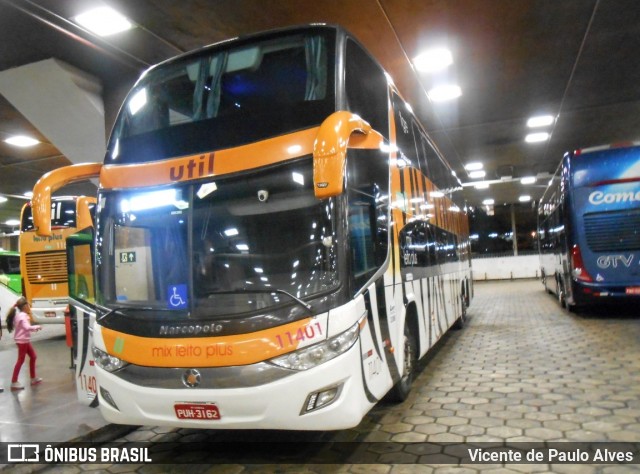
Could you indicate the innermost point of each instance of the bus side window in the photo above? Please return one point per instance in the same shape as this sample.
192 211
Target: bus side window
368 189
416 246
405 131
366 88
361 238
441 246
424 151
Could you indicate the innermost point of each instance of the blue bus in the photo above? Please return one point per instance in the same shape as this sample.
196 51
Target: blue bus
589 227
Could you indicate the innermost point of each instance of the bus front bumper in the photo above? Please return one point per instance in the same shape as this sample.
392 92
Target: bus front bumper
48 311
277 405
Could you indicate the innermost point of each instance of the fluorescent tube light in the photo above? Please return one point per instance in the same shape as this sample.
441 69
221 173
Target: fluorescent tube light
433 60
22 141
103 21
444 93
474 166
536 137
540 121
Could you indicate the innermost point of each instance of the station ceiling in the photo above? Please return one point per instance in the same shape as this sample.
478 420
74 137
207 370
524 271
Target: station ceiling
513 59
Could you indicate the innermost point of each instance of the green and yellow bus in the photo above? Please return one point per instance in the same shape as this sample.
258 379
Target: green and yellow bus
43 260
10 271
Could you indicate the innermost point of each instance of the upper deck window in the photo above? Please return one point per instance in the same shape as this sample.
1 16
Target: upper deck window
227 97
366 88
63 214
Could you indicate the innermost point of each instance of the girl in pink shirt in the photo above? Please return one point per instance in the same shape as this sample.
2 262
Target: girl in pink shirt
18 318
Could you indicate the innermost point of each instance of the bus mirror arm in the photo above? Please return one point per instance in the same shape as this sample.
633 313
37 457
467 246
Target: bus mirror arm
50 183
330 151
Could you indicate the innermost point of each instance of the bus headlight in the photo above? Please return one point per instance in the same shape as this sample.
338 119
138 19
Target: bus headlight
317 354
106 361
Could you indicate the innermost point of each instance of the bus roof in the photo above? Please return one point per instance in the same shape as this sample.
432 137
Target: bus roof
626 144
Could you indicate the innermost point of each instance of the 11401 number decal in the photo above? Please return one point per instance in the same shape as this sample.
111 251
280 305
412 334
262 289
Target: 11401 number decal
289 339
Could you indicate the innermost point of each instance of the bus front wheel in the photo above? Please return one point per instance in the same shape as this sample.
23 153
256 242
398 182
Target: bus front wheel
401 389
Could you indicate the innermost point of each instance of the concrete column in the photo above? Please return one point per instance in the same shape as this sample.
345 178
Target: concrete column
63 103
514 230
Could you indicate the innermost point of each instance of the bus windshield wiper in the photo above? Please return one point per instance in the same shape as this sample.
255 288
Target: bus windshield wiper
306 305
293 297
122 309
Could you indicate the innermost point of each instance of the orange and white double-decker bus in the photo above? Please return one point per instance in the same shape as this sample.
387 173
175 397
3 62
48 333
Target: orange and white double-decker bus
43 261
277 239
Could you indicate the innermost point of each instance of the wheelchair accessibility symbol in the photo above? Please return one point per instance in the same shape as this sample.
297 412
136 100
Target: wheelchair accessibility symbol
177 296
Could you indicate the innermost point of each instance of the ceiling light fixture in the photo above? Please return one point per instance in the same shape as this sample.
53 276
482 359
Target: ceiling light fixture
524 198
477 174
476 165
21 141
488 202
444 93
481 186
433 60
537 137
103 21
12 222
540 121
528 180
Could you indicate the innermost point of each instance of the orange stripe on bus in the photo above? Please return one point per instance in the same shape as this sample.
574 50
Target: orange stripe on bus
231 160
219 351
209 164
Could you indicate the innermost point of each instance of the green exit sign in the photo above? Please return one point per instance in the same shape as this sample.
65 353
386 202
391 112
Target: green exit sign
127 257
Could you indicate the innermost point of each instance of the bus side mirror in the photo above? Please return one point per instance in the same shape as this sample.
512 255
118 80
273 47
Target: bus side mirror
51 182
330 151
84 218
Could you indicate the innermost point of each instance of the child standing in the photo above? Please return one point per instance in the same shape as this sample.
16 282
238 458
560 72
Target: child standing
18 318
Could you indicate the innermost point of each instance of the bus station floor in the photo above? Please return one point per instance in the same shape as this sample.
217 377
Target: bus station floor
47 412
522 370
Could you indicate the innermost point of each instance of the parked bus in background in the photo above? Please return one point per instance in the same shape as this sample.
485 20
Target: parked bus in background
277 239
588 227
43 261
10 271
10 286
82 316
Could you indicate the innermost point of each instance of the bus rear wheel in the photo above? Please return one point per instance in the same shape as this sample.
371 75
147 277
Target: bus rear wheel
561 295
464 303
401 389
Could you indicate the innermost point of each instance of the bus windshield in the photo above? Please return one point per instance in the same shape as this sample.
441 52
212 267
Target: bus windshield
252 237
227 96
63 214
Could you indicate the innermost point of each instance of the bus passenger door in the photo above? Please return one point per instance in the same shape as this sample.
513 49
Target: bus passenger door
82 307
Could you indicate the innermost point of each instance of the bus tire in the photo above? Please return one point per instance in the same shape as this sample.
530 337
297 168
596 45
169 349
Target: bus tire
560 293
400 391
459 323
462 319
